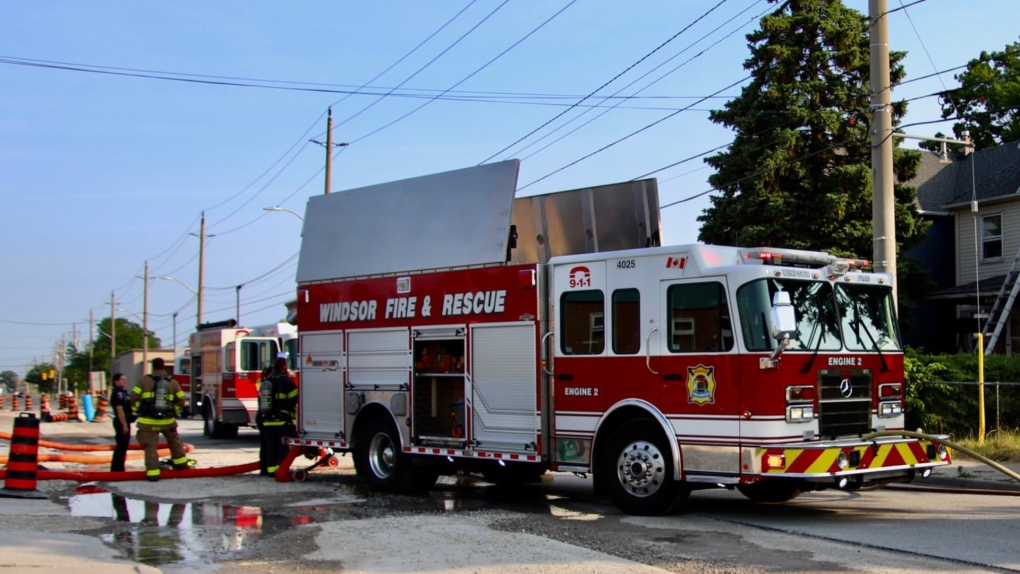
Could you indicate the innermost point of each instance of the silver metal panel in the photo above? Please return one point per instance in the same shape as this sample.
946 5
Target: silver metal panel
450 219
504 389
604 218
322 385
378 357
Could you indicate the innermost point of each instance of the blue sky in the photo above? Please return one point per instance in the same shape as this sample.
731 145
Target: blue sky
101 172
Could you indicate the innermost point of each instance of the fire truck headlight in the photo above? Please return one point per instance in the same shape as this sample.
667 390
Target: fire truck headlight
890 409
800 413
842 461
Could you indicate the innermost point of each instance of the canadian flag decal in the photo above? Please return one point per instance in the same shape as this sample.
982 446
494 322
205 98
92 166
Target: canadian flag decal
676 263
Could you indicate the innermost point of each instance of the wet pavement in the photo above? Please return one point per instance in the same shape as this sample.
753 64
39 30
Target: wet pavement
248 523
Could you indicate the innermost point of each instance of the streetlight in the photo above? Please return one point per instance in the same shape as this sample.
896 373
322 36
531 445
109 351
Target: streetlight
185 285
278 208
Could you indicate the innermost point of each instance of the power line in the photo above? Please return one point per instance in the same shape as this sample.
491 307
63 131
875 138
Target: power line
422 68
613 79
472 74
648 85
624 138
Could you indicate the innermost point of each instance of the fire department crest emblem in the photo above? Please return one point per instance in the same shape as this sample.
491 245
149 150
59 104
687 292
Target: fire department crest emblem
701 385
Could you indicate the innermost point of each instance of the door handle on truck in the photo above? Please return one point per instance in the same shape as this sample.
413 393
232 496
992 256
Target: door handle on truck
648 350
672 376
544 366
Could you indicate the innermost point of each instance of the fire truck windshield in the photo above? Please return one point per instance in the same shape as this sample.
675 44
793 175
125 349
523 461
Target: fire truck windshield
854 316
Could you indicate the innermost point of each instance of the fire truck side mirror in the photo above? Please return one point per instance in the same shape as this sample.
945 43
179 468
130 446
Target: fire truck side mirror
784 321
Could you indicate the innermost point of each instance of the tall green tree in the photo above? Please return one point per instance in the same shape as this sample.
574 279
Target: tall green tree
798 173
129 335
987 103
39 375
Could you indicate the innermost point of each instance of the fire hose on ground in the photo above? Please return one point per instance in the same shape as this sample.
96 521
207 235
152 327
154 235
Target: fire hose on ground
282 474
950 444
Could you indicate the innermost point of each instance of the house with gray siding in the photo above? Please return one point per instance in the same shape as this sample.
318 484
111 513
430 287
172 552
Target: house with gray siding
973 202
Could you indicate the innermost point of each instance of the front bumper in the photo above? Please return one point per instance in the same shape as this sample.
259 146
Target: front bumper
871 460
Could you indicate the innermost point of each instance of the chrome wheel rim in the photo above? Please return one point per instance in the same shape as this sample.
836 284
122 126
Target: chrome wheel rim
641 469
381 455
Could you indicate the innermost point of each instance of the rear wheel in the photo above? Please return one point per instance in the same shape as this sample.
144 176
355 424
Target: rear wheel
770 490
213 428
378 458
208 422
638 470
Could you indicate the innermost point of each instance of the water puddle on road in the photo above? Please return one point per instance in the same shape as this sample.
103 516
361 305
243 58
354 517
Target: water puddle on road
158 533
203 533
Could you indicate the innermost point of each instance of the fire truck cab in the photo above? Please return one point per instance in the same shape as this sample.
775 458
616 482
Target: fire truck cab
481 333
182 374
227 364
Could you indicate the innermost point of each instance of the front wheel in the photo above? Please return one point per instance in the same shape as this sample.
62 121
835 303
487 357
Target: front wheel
638 470
378 458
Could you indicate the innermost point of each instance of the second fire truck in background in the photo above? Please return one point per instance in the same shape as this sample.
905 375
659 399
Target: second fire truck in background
226 368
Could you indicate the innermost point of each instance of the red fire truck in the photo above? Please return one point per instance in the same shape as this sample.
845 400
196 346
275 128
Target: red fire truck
182 374
446 326
227 364
287 337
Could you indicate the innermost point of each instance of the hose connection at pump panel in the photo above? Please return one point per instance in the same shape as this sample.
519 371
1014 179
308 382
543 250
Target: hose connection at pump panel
950 444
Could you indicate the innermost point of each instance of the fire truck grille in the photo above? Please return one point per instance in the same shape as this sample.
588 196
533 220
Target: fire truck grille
844 402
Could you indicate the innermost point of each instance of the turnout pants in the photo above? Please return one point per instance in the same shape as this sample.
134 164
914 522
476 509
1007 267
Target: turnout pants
148 437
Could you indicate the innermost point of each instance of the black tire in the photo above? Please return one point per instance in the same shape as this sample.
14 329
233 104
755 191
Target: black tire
379 459
208 424
771 490
213 428
638 468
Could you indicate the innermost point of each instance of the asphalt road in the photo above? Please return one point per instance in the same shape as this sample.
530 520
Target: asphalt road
332 522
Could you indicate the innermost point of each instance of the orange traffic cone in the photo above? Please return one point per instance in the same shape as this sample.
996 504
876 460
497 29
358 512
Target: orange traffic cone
24 459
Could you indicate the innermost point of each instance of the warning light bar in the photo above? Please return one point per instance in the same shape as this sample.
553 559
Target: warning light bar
797 258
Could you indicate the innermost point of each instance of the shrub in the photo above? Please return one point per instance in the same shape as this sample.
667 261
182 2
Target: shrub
941 395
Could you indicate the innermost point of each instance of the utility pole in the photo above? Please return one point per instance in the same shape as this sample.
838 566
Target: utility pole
329 145
883 206
175 336
201 266
92 327
113 333
145 321
60 364
329 151
237 314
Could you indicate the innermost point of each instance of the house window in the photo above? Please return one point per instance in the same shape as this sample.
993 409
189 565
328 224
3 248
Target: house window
991 236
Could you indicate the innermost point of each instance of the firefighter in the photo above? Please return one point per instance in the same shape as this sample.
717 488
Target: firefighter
156 400
275 418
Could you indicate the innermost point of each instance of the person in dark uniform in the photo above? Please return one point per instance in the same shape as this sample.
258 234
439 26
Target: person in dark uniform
275 418
120 402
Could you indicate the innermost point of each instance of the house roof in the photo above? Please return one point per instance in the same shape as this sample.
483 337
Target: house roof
941 186
987 287
935 182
